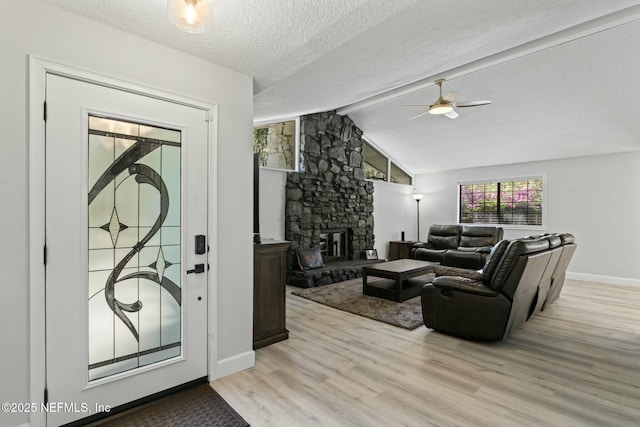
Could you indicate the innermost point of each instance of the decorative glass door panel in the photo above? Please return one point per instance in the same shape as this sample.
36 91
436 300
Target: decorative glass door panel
134 235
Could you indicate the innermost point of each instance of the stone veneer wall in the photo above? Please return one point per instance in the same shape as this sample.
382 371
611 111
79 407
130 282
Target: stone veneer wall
330 191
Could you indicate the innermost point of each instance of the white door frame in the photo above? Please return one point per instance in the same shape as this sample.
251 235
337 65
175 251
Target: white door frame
38 69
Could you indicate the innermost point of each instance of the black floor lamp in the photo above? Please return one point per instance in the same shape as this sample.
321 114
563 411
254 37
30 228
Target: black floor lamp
417 198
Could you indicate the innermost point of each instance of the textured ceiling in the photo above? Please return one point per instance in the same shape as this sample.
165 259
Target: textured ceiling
558 72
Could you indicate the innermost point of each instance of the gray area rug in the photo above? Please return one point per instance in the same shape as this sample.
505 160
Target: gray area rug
347 296
197 406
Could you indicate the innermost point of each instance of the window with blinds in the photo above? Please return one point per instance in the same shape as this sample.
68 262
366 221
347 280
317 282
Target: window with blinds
509 202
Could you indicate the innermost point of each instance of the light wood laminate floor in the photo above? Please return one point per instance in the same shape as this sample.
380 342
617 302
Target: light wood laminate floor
575 364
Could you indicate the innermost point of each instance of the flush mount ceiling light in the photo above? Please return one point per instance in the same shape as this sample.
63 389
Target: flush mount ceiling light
192 16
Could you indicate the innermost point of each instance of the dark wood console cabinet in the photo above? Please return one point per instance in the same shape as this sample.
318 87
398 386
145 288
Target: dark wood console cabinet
269 306
399 249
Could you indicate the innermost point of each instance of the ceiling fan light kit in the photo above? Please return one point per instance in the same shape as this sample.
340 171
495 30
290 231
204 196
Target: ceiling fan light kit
445 106
192 16
440 108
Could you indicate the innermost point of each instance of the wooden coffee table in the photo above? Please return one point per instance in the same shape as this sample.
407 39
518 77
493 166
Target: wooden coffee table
396 287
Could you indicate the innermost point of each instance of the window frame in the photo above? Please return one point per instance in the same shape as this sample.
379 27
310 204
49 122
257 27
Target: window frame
389 162
296 161
538 176
382 156
400 169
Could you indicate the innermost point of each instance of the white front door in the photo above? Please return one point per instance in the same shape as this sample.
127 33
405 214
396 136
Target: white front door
126 196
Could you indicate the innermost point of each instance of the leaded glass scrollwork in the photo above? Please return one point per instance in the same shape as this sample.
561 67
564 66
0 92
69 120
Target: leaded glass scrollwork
134 245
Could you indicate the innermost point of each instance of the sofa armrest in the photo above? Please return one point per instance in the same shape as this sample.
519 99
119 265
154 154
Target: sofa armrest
470 260
465 249
463 284
443 270
480 249
425 245
484 249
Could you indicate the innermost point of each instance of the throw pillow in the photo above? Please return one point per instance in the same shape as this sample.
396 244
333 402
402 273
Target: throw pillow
309 259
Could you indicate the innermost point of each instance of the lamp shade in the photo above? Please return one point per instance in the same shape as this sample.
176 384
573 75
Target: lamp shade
417 196
192 16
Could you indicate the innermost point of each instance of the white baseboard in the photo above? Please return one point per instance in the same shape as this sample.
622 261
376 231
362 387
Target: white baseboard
610 280
236 363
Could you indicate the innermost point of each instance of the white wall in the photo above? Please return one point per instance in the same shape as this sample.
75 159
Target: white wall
272 203
27 27
594 198
394 211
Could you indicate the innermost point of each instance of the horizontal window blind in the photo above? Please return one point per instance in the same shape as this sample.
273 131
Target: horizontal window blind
511 202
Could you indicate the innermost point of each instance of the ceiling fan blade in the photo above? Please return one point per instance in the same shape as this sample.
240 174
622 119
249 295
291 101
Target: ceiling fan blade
419 115
450 96
472 103
452 114
416 105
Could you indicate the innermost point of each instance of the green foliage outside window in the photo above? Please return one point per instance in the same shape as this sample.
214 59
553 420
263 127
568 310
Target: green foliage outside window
260 143
371 172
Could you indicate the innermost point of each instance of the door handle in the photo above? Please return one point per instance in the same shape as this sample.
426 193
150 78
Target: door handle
198 268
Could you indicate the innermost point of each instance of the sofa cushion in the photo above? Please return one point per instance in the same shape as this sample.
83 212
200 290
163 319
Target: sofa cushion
493 259
444 236
567 238
433 255
479 236
464 259
515 249
554 241
444 242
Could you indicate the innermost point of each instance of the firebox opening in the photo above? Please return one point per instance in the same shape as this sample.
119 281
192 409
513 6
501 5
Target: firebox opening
333 245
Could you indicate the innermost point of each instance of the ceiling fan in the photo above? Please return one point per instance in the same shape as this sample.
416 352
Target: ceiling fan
444 105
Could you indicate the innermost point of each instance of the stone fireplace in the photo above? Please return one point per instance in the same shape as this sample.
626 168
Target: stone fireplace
329 205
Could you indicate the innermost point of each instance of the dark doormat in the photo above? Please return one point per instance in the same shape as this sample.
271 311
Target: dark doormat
198 406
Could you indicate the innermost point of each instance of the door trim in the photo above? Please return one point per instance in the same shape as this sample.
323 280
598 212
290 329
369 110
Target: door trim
38 70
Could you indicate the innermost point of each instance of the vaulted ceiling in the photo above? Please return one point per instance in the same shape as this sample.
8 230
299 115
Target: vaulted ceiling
561 74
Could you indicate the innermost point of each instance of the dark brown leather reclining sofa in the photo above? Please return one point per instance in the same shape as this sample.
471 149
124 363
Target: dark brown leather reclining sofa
461 246
520 278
